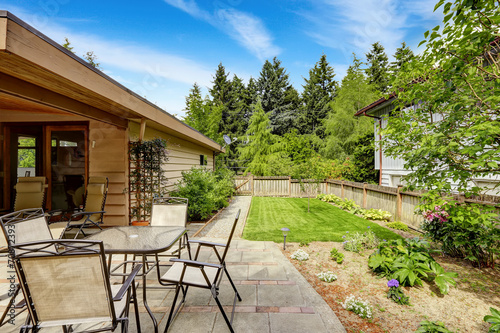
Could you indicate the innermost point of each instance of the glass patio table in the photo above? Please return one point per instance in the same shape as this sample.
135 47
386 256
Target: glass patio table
142 241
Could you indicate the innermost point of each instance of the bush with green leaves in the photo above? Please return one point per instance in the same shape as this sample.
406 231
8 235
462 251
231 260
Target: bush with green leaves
410 262
355 242
469 231
432 327
494 320
348 204
337 256
329 198
377 214
206 190
398 226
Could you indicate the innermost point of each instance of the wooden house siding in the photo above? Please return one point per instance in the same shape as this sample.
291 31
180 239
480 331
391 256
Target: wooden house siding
183 155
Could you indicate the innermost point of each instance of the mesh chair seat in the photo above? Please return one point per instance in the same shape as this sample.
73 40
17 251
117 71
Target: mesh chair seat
193 276
30 193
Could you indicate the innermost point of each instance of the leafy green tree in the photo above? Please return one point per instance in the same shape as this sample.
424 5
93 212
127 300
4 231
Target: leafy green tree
261 143
342 128
319 90
451 137
272 86
378 67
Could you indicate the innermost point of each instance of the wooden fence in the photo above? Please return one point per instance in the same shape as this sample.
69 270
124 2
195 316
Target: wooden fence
400 204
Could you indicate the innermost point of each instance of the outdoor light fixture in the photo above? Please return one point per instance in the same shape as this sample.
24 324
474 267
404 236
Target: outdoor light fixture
285 232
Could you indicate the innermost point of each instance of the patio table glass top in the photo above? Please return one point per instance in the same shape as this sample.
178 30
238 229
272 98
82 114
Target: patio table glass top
138 239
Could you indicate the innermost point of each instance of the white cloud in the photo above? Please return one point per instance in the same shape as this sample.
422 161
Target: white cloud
246 29
353 26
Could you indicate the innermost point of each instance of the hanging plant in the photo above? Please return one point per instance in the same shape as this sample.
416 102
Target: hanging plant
146 176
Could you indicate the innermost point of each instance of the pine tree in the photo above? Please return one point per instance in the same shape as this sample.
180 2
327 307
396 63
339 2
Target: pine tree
378 67
197 110
319 90
271 88
402 56
261 142
342 127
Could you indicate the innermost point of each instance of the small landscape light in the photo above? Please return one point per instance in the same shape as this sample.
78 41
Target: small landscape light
285 232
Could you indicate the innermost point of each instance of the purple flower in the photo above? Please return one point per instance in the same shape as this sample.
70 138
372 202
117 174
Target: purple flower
393 283
368 227
343 236
385 240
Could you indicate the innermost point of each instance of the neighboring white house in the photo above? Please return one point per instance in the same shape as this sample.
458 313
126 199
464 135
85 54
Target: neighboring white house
392 170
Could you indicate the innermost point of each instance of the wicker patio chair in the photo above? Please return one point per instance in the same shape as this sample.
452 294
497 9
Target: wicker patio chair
92 213
192 273
71 287
23 226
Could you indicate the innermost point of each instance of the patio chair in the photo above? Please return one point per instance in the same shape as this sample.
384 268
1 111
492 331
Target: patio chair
186 273
71 287
92 213
23 226
30 192
170 211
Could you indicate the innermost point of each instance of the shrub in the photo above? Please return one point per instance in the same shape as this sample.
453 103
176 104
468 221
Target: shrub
398 226
337 256
432 327
376 214
327 276
396 294
358 306
355 242
469 231
348 205
410 262
329 198
206 190
494 320
300 255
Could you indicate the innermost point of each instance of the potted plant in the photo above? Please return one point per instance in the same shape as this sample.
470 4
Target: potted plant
146 177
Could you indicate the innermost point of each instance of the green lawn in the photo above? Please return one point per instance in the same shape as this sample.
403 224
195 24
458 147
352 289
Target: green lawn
324 223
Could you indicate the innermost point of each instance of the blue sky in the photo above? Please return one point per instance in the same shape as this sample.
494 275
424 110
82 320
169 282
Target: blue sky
159 48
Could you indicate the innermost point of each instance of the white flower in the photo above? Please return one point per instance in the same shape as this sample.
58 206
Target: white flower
300 255
358 306
327 276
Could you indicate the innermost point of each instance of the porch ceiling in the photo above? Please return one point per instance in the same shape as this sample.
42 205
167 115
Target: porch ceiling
40 70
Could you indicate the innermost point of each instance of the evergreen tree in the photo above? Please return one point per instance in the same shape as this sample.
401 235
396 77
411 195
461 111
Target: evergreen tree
261 143
220 90
196 112
343 128
272 86
402 56
319 90
378 67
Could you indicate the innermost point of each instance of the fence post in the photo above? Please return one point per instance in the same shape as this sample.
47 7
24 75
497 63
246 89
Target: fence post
251 184
342 189
289 186
399 203
364 195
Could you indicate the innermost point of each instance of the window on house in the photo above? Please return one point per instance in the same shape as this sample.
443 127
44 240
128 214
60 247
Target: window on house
203 160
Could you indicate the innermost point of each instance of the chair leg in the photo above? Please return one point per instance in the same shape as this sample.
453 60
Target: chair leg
224 314
136 308
232 284
172 315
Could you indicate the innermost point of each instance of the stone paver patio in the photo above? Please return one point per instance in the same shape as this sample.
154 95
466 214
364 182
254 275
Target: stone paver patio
276 297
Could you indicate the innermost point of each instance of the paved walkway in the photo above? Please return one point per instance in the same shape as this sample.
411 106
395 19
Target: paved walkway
276 297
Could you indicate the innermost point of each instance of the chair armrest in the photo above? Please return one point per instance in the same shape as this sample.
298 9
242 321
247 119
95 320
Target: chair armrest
195 263
119 295
201 242
87 213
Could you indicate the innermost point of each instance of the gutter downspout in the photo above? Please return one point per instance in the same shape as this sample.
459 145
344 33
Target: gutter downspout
380 146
